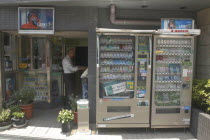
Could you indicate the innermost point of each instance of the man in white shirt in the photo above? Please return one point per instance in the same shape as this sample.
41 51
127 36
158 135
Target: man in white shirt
69 70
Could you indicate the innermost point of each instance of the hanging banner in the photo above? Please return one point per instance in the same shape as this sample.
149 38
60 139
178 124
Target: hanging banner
36 20
172 23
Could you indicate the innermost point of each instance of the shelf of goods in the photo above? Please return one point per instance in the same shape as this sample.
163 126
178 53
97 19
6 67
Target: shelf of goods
116 61
38 81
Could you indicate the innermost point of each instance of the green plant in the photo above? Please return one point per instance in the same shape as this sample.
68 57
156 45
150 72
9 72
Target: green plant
72 101
65 116
18 115
201 95
14 108
25 95
5 115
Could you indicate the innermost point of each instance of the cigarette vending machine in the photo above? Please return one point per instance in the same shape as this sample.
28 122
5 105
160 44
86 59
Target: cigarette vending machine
172 81
123 79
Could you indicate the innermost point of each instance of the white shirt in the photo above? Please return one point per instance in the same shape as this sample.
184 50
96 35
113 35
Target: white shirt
67 65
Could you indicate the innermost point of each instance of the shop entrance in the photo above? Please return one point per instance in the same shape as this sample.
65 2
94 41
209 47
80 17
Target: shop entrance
36 61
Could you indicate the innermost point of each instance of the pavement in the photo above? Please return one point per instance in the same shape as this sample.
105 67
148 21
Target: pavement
44 126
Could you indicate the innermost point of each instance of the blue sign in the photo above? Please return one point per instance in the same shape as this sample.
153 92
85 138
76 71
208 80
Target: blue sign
186 107
177 24
143 71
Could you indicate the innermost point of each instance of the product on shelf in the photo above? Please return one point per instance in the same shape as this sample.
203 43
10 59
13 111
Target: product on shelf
116 55
39 83
7 63
167 98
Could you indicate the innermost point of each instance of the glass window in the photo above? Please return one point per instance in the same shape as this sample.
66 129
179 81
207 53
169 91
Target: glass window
39 53
171 56
116 60
25 53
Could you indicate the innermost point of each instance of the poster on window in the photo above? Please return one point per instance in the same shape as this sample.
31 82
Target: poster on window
177 23
36 20
10 87
115 88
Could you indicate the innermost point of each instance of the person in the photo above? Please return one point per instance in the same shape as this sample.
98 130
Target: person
69 70
33 21
171 24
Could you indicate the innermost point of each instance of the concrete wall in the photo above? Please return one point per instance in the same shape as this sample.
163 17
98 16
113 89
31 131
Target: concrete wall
203 45
104 22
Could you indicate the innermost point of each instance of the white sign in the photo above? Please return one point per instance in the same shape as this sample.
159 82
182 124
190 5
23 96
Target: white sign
184 72
118 88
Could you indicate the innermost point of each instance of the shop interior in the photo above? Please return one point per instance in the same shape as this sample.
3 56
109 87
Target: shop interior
36 61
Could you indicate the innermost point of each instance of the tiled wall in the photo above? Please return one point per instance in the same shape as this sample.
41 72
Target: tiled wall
200 125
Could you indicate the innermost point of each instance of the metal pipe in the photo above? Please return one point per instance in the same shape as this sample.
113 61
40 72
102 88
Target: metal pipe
130 22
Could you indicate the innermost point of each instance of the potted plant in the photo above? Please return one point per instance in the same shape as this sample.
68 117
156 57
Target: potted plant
65 117
14 108
19 118
73 104
5 119
25 97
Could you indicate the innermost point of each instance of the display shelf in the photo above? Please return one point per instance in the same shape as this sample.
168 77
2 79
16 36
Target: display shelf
120 50
140 53
116 71
116 79
168 62
167 89
184 54
116 57
8 72
116 97
117 64
174 46
115 43
169 81
158 73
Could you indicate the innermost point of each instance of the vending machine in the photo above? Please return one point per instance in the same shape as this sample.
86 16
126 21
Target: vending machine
123 78
172 81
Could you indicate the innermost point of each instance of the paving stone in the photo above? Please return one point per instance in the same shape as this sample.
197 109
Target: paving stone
44 126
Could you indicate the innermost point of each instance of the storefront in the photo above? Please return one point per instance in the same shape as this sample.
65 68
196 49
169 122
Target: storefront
33 61
79 23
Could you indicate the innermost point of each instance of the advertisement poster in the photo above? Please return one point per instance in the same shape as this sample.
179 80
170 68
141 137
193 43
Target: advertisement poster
115 88
177 24
10 86
141 93
35 20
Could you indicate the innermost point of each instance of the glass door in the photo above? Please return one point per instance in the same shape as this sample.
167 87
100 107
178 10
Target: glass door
116 59
56 71
34 63
10 65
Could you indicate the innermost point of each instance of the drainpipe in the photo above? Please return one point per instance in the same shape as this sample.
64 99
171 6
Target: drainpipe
130 22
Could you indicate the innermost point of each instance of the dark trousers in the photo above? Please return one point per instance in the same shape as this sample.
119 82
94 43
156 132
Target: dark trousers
69 86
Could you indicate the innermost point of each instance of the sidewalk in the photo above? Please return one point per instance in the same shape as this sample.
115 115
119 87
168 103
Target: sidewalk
44 126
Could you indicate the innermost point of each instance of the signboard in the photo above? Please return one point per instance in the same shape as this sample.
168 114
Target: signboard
177 23
36 20
115 88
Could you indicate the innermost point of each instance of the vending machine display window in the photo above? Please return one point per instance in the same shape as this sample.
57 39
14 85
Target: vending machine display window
172 80
117 66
